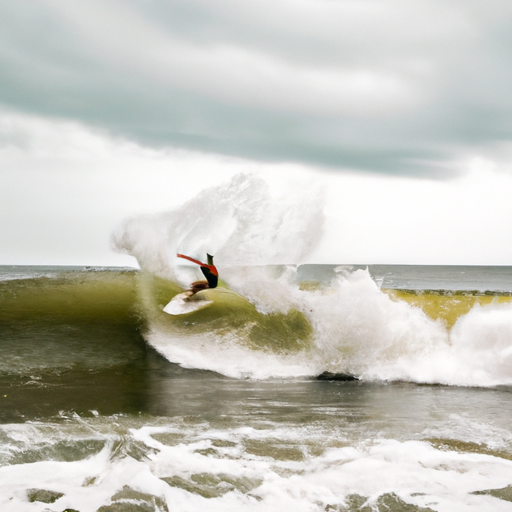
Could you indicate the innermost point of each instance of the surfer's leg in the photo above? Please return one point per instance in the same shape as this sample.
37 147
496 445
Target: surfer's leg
198 286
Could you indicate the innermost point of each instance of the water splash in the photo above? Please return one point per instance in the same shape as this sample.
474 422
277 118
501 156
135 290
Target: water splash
239 222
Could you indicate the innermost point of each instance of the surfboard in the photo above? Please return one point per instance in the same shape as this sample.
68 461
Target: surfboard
188 302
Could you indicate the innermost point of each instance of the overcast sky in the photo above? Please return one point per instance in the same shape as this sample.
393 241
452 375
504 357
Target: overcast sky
401 109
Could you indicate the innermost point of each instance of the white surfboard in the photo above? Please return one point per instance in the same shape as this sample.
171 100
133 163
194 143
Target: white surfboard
186 302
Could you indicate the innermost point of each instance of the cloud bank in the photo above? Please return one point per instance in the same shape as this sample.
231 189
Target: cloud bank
384 86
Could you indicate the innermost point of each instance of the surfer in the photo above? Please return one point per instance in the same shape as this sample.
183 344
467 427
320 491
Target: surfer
209 271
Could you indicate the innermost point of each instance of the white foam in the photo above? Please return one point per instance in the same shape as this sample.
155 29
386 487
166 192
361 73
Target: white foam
196 459
228 355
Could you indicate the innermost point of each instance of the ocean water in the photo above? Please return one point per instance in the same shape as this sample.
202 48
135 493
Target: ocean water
110 404
345 388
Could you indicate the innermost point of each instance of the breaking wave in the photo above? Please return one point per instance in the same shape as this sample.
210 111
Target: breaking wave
291 328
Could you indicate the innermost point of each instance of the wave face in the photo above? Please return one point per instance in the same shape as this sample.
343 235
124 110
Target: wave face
54 321
290 326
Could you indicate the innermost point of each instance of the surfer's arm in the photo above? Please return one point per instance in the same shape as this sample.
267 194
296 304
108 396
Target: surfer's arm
191 259
209 271
210 268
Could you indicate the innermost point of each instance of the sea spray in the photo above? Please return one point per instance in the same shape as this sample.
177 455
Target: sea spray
360 329
482 346
240 222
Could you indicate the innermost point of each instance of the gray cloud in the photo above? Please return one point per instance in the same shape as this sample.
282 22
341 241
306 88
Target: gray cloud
383 86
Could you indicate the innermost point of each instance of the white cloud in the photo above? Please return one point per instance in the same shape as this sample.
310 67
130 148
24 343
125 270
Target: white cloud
390 86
